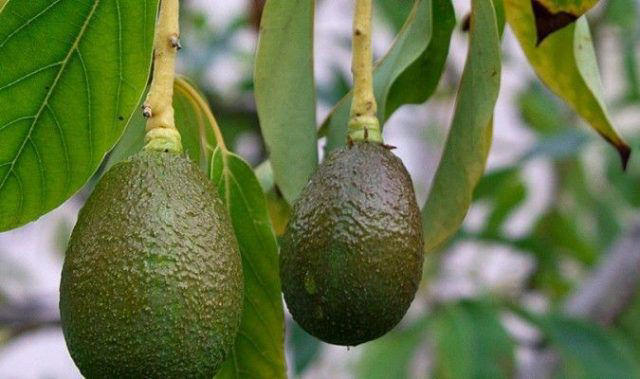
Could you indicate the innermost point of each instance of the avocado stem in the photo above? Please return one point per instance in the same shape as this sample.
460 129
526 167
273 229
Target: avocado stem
363 122
162 134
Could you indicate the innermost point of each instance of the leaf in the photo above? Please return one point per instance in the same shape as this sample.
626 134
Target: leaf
467 147
551 15
285 92
419 81
71 75
574 7
588 351
472 343
391 355
259 347
566 63
193 119
410 43
303 346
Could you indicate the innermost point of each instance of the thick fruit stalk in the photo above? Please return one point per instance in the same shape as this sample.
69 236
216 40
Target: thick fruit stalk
363 122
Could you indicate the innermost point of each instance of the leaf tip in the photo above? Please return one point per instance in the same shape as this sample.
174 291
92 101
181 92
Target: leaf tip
625 153
548 22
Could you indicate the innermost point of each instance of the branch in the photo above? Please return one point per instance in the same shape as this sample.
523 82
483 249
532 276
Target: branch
611 287
29 315
601 298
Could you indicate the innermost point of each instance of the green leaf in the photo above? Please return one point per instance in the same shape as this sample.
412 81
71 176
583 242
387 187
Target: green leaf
193 119
410 44
566 63
467 147
303 346
259 348
391 355
285 92
573 7
588 351
71 75
419 81
472 343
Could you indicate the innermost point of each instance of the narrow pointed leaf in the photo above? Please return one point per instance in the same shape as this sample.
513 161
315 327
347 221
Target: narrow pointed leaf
259 348
419 81
566 62
71 75
285 92
467 147
412 41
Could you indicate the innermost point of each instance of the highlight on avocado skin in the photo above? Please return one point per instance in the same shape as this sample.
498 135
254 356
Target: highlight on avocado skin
352 255
152 282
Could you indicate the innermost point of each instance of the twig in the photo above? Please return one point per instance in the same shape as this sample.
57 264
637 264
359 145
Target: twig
158 107
363 123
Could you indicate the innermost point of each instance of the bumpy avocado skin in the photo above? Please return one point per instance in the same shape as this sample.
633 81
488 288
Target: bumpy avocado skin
152 283
352 254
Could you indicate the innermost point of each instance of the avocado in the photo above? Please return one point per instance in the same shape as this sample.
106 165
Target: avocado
352 253
152 283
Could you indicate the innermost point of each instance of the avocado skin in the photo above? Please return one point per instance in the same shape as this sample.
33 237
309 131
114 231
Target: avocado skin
352 254
152 283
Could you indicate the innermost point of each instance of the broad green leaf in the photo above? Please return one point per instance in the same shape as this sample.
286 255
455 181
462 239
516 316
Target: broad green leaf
410 43
391 355
472 343
259 348
587 350
566 63
71 75
573 7
467 147
285 92
419 81
194 121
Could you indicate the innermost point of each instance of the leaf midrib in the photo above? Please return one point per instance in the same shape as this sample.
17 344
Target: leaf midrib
45 102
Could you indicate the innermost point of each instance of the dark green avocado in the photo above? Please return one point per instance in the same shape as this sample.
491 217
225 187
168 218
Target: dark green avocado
152 282
352 254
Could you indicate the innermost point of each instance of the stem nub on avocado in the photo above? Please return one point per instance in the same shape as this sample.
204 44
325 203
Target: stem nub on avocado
152 283
352 254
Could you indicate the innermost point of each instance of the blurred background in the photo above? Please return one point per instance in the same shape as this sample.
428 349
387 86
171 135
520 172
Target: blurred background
553 216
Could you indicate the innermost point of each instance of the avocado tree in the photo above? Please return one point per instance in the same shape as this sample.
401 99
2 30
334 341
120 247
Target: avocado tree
180 258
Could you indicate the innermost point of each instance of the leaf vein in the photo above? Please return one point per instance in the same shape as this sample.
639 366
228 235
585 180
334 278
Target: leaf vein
63 142
46 101
89 116
41 173
27 76
15 121
28 22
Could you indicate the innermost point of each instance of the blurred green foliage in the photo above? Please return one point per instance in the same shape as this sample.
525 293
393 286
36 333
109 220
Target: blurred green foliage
592 202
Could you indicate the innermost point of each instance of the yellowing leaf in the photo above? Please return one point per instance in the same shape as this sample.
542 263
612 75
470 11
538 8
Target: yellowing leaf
566 63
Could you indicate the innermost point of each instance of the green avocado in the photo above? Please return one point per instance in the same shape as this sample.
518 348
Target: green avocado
152 283
352 253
